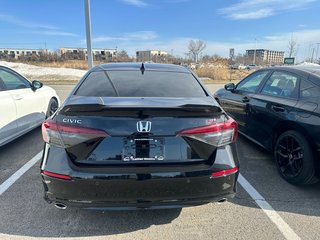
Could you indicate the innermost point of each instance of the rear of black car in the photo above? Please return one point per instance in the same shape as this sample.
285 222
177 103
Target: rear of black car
139 136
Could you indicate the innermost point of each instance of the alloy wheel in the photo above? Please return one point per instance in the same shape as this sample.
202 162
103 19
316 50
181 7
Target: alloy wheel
289 156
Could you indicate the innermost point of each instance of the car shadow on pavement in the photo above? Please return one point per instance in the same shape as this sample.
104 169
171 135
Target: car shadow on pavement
85 223
257 166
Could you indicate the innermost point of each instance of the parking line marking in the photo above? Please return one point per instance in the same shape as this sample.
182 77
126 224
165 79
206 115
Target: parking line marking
284 228
14 177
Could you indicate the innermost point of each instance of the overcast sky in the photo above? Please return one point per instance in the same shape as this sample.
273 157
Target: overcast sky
163 24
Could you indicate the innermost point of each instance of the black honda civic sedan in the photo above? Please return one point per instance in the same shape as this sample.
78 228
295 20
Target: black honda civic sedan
134 135
279 109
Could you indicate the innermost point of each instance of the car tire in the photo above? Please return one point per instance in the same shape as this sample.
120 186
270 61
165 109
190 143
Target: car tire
52 107
294 158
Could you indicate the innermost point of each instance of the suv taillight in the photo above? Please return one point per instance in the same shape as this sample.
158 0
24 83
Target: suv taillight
63 135
218 134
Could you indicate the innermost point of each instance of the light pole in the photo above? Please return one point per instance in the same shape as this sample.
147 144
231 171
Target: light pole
296 53
312 54
317 51
255 49
88 32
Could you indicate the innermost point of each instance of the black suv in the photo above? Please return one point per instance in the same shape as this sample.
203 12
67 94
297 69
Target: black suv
139 136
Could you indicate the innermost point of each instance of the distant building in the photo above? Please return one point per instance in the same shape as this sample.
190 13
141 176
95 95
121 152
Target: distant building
151 56
16 53
264 56
99 54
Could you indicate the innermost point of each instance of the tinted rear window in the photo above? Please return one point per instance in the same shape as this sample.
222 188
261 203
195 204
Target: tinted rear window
309 90
135 84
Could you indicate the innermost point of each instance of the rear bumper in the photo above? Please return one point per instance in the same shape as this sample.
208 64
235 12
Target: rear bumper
137 187
134 193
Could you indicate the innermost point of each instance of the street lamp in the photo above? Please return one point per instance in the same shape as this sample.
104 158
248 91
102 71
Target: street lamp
317 50
255 49
88 32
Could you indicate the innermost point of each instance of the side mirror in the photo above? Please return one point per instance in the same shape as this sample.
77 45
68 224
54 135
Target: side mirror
230 87
36 84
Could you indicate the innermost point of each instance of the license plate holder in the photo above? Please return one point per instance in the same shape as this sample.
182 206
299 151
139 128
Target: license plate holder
143 149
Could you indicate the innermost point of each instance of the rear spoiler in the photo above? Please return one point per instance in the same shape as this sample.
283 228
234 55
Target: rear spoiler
141 106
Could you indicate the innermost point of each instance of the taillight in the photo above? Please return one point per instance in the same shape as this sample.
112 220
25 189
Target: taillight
63 135
217 134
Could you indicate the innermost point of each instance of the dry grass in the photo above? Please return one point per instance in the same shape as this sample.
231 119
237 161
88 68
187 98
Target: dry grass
52 77
59 82
76 64
215 75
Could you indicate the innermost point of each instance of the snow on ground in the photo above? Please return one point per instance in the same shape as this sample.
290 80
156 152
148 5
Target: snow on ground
309 64
44 73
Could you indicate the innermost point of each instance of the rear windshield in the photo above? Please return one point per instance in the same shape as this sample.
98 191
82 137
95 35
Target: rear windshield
135 84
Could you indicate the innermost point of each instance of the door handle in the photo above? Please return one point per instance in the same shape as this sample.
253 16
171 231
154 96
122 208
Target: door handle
17 97
245 99
277 108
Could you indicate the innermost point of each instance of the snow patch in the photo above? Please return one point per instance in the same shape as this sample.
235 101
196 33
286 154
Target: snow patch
308 64
44 73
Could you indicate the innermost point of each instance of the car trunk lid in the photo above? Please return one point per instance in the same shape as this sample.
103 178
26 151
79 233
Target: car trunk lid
140 130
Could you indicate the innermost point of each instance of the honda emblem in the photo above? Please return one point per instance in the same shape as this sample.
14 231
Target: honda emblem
143 126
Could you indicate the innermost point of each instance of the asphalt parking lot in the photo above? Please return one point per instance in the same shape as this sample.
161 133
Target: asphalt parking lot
289 212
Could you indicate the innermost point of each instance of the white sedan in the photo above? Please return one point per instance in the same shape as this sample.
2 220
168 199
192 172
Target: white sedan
23 105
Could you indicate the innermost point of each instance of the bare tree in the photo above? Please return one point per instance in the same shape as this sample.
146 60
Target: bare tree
195 48
122 56
292 47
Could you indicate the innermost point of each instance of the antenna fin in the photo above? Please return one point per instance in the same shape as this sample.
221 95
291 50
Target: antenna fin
142 68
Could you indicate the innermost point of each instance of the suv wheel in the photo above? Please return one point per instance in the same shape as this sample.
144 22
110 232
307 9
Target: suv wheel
294 158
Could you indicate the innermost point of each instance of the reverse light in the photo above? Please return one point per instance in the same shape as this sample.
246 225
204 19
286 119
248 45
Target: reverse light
225 172
64 135
217 134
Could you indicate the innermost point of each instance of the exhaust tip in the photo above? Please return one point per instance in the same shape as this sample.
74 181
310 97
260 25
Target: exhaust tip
222 200
60 206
